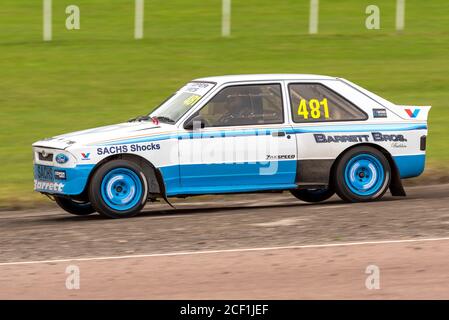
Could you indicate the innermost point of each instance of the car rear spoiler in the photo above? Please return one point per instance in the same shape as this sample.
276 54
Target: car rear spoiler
417 113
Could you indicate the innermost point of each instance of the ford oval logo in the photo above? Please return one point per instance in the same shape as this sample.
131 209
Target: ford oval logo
61 158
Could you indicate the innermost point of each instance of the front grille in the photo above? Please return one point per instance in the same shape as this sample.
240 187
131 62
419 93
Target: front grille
45 156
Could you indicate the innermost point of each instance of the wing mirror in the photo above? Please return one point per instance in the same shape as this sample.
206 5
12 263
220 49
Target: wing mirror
197 122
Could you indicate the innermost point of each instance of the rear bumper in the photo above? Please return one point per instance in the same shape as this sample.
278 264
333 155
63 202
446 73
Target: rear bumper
410 165
59 180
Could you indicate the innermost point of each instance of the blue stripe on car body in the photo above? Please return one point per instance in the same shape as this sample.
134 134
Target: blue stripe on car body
229 174
268 131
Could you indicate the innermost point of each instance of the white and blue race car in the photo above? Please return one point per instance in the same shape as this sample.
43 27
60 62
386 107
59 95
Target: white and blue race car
311 135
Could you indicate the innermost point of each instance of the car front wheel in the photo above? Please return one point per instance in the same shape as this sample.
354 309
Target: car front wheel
118 189
362 174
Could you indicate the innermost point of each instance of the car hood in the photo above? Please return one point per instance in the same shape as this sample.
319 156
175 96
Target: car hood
106 134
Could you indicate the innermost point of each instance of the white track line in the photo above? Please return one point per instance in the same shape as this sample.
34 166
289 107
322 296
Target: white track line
328 245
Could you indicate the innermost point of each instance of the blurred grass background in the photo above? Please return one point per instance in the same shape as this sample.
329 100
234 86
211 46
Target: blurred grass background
100 75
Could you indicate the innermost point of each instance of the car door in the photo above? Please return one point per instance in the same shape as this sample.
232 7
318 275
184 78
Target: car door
245 143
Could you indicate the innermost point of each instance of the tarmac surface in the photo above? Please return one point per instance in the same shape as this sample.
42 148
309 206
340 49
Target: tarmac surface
249 246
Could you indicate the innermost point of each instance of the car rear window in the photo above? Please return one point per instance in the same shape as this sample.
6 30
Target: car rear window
314 102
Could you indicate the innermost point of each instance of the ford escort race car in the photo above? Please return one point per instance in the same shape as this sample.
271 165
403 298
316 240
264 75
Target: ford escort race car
311 135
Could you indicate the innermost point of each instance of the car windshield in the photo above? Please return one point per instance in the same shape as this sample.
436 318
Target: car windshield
182 101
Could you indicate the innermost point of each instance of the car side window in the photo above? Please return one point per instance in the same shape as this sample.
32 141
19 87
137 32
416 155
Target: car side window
244 105
312 102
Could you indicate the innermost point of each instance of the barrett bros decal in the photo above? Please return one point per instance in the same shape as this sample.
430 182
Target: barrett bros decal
322 138
376 136
379 137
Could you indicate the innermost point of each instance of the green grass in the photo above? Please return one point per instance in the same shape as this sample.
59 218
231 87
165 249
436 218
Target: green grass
100 75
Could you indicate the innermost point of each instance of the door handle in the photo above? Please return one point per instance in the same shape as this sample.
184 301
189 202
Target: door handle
278 134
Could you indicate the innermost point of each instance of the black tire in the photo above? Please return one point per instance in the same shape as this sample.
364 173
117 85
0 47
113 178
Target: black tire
347 175
78 208
99 198
313 195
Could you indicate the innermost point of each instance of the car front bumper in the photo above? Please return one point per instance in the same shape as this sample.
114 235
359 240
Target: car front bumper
61 180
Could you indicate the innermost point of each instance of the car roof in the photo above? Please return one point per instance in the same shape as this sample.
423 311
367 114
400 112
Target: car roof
264 77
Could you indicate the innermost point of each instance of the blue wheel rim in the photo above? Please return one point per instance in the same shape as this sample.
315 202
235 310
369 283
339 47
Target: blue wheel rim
364 175
121 189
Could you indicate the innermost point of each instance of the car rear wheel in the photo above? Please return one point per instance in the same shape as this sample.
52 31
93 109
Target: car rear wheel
362 174
79 208
118 189
313 195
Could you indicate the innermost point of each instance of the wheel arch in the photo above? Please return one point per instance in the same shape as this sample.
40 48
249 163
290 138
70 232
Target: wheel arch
396 187
156 185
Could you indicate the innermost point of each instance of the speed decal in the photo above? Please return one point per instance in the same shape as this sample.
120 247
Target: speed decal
313 109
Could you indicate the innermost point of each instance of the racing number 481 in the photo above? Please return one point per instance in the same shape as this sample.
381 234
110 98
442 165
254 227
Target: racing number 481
314 108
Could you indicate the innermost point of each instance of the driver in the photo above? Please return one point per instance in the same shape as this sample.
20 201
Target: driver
236 109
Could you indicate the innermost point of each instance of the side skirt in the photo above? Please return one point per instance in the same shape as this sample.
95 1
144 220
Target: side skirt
315 172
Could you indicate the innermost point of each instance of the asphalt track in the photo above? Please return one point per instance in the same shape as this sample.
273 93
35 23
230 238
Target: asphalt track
256 246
